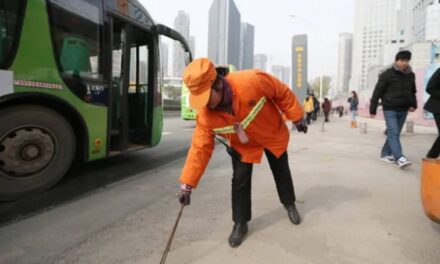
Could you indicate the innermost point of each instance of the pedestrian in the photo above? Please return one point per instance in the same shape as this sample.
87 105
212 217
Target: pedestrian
341 111
326 107
353 100
309 108
247 108
316 108
433 106
396 88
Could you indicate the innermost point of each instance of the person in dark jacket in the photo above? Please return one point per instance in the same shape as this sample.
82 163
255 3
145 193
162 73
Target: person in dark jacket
316 106
433 106
396 88
326 108
353 101
341 111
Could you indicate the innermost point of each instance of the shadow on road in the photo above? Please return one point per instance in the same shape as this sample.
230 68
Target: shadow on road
86 179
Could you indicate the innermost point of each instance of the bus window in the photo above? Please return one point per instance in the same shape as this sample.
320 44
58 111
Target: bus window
142 66
77 34
11 16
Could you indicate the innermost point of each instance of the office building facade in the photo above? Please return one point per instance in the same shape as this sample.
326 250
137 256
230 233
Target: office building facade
344 62
224 33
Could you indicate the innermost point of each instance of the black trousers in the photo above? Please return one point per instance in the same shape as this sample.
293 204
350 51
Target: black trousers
434 152
326 115
241 185
308 118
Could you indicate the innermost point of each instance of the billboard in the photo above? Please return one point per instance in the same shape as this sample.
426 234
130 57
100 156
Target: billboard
299 66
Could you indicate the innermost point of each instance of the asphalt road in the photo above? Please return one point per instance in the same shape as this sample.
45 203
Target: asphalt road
355 209
86 179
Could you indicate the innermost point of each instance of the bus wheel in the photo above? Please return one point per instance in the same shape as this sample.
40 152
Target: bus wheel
37 146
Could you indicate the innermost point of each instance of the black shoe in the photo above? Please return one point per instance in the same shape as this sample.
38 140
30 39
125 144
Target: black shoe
238 233
293 214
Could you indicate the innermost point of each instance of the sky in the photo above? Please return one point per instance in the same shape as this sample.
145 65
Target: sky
275 21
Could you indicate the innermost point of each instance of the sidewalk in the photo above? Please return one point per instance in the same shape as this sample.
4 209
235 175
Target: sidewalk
355 208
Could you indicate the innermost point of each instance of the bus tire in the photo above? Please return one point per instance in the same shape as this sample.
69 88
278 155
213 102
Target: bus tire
37 147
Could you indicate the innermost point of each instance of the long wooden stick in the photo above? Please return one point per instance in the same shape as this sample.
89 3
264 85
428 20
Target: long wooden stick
170 240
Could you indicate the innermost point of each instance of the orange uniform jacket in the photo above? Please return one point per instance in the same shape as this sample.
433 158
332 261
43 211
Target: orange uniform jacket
267 130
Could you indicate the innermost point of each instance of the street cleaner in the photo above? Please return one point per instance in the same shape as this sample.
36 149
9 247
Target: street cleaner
248 109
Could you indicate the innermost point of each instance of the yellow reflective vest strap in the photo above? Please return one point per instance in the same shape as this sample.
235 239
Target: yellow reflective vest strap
246 122
224 130
251 116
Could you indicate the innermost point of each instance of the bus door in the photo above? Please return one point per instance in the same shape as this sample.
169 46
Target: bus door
132 76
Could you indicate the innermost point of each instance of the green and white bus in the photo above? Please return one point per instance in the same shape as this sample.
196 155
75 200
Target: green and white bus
188 113
78 78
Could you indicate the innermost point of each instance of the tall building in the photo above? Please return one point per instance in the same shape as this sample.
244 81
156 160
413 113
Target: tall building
286 75
192 45
344 62
224 33
433 22
389 51
181 25
405 21
164 53
247 46
260 62
419 19
282 73
299 66
375 25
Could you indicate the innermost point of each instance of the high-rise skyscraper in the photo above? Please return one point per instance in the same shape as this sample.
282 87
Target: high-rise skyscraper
286 75
224 33
433 22
192 45
299 66
405 22
282 73
165 57
419 18
181 25
247 46
375 25
344 62
260 62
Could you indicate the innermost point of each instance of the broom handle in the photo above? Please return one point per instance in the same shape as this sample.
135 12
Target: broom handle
170 240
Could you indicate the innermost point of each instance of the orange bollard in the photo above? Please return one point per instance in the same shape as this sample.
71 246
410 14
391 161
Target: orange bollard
430 188
353 124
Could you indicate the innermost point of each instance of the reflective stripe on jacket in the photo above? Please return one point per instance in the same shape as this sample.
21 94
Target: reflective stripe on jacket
259 101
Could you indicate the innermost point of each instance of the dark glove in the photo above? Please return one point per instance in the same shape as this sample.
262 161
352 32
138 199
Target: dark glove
185 194
301 125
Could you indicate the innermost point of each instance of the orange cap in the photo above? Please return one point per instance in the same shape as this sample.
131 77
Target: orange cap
199 76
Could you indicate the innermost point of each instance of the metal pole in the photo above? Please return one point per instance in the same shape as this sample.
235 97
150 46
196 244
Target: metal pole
170 240
320 86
